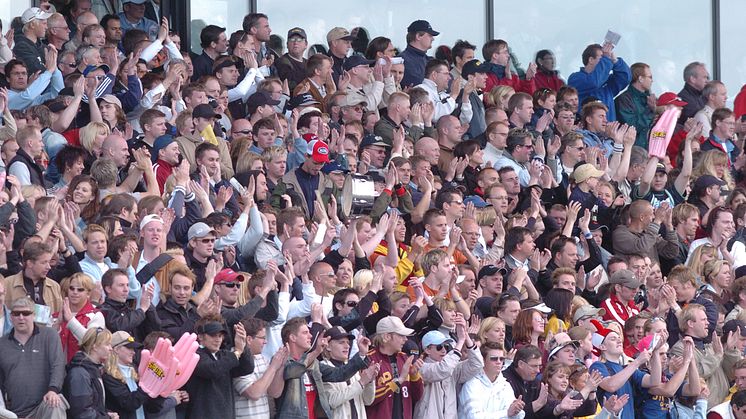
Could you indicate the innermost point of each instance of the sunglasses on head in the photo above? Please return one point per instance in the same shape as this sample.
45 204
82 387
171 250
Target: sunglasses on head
230 284
21 313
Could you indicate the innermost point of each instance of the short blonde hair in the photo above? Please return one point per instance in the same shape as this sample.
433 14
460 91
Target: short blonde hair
85 281
488 324
89 132
362 279
687 313
94 337
246 161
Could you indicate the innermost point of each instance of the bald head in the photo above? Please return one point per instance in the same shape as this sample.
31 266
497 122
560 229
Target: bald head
428 148
115 147
238 126
86 19
638 208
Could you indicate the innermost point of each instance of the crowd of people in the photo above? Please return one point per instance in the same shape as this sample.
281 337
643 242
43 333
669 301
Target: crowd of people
359 229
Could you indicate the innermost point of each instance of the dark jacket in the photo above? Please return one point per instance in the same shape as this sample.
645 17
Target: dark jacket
202 66
83 389
632 109
530 392
119 316
121 400
211 383
35 171
694 102
290 69
32 54
415 61
175 319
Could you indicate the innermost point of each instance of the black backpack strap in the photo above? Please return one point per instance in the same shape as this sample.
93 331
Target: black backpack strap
149 270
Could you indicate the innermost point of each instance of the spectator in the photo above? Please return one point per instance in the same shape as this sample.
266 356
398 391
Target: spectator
636 105
83 383
118 315
133 17
420 36
602 76
696 77
28 45
33 282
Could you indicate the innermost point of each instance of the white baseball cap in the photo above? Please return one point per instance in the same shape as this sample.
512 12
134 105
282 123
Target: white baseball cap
34 13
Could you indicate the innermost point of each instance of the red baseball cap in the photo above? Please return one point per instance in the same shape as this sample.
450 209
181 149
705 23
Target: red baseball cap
319 151
228 275
670 98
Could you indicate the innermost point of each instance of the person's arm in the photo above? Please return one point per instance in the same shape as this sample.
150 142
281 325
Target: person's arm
682 181
620 173
615 382
586 83
68 114
647 176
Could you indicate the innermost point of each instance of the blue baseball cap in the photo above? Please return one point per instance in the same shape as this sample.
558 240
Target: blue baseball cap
435 337
334 166
90 68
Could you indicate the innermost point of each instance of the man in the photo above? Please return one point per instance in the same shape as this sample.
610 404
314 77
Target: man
262 304
21 94
133 17
462 53
621 379
398 113
153 124
475 73
420 36
450 132
95 263
307 179
319 81
602 76
214 43
166 157
398 384
28 46
292 66
340 42
496 135
521 109
522 377
435 84
319 289
595 118
32 368
254 390
497 54
572 152
695 79
685 292
360 86
510 180
723 136
735 408
23 166
178 314
685 220
489 393
260 106
377 148
200 250
263 133
152 236
507 308
716 96
204 116
213 376
118 314
642 233
620 305
490 280
32 281
520 148
113 28
257 25
57 31
706 194
711 360
82 21
636 105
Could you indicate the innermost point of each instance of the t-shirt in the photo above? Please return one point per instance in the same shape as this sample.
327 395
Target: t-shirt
398 410
607 369
656 198
311 395
658 407
245 407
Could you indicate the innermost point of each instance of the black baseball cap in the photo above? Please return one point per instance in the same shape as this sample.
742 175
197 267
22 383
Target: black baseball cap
260 99
422 26
489 270
705 181
337 332
204 111
473 67
357 60
297 32
306 99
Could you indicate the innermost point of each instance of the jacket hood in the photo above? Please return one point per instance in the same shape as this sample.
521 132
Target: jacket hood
80 359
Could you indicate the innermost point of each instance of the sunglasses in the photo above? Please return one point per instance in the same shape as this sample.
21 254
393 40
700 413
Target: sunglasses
351 303
206 241
497 358
21 313
441 347
230 284
244 131
78 289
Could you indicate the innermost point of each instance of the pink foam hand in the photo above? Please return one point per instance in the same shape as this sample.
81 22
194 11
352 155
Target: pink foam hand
662 132
159 370
185 352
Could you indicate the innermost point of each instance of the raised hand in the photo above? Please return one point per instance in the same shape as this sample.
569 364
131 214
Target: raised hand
516 407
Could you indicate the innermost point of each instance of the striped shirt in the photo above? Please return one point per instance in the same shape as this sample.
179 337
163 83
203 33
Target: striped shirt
245 407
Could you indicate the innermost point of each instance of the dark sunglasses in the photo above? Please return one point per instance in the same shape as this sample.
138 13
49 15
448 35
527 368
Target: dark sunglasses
351 303
21 313
442 346
230 284
497 358
205 241
78 289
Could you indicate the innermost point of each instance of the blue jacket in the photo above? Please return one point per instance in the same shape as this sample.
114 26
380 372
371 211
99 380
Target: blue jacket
414 66
605 82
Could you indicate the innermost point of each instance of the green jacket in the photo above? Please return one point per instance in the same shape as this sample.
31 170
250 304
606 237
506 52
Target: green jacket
632 109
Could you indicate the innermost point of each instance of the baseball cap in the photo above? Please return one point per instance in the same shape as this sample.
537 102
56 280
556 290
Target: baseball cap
355 61
372 139
593 226
624 277
661 168
160 143
122 338
110 99
333 166
477 201
560 341
422 26
260 99
148 218
435 337
735 326
473 67
204 110
57 106
489 270
199 230
705 181
586 311
306 99
540 307
34 13
297 32
211 328
352 100
393 324
228 275
90 68
337 332
339 33
223 63
319 151
670 98
586 171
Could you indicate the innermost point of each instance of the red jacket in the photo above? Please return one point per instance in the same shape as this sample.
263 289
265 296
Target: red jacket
551 80
383 404
739 103
617 310
162 170
514 81
69 342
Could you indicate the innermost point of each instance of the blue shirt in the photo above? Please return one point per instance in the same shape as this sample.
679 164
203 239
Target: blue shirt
657 407
607 369
149 26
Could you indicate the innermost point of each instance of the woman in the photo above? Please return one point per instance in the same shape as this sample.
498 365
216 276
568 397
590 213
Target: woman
529 329
498 97
546 76
718 280
248 161
83 191
736 198
581 402
112 113
83 387
380 47
492 329
443 370
123 396
92 137
112 226
70 161
715 163
545 100
475 154
698 258
559 300
78 315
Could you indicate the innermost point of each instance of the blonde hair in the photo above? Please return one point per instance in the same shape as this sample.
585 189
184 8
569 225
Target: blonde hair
686 314
85 281
488 324
111 367
94 337
486 216
497 97
362 279
89 132
695 262
712 268
246 161
706 166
